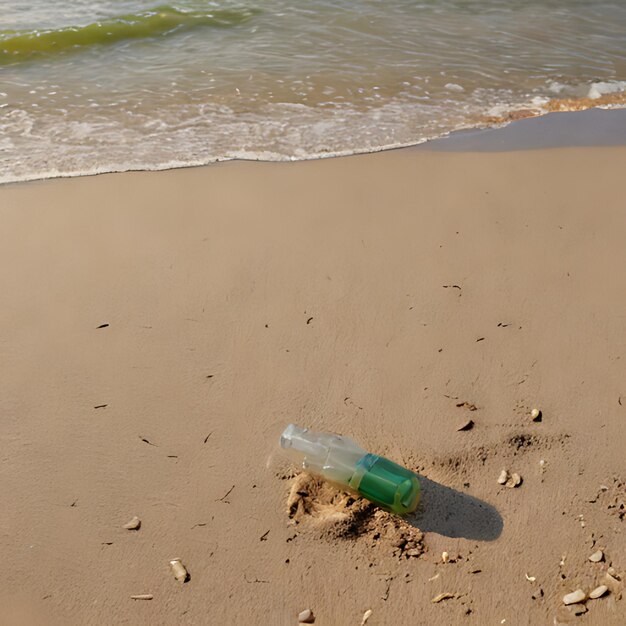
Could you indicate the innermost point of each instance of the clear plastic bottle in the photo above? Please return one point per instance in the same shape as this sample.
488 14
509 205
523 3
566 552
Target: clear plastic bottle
341 461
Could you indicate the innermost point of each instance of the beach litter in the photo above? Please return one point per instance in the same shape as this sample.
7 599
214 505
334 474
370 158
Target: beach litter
178 569
134 524
142 596
341 461
306 617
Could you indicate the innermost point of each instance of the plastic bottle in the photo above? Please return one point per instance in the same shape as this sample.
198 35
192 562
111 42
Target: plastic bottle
341 461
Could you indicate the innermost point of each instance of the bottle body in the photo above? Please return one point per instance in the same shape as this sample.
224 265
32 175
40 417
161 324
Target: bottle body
342 461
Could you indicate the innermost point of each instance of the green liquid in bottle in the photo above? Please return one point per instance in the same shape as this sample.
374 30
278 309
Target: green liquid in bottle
386 483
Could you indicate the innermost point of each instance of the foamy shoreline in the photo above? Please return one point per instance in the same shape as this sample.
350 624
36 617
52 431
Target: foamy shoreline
612 134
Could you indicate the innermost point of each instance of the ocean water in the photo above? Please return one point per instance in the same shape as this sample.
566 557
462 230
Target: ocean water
92 86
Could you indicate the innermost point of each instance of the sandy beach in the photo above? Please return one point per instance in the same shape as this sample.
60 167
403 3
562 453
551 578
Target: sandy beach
159 329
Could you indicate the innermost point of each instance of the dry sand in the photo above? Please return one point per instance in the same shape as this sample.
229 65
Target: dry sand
369 296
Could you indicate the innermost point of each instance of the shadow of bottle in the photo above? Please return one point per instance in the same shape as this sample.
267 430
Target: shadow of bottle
451 513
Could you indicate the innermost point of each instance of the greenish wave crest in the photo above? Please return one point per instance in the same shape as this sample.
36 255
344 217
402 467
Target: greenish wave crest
18 45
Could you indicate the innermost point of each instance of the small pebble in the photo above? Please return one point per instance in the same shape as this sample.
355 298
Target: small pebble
514 481
179 570
536 415
306 617
366 616
578 609
596 557
598 592
575 597
611 582
445 557
442 596
134 524
504 476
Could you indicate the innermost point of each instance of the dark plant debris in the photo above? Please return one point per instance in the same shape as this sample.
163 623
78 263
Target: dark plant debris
223 498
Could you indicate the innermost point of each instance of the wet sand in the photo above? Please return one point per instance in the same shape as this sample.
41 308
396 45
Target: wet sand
159 329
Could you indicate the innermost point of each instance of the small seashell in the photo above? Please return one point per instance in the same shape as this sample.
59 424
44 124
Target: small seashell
514 481
466 425
179 571
445 557
598 592
504 476
134 524
596 557
142 596
434 577
306 617
575 597
442 596
536 415
366 616
532 579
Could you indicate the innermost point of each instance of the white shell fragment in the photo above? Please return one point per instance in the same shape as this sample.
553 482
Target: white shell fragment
134 524
531 579
504 476
514 481
536 415
142 596
306 617
466 425
445 557
575 597
442 596
598 592
178 569
366 616
596 557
